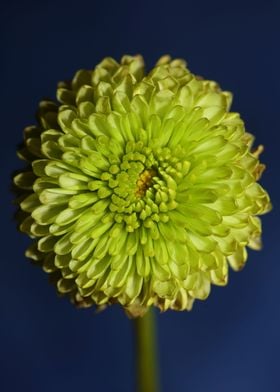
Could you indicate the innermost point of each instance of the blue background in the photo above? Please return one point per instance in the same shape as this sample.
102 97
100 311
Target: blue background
231 341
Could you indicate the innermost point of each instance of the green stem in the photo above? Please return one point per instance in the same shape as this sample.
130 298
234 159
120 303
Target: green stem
147 365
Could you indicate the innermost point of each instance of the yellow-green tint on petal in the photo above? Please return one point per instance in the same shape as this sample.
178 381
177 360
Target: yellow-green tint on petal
140 188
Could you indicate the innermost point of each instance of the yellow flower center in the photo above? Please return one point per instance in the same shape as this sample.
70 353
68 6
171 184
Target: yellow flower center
144 182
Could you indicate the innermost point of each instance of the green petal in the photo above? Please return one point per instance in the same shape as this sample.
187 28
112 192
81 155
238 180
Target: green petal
46 214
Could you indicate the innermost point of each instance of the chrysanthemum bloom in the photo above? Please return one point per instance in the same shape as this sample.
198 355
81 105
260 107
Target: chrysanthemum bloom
140 188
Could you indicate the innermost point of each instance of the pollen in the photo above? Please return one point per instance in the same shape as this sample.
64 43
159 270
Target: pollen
144 182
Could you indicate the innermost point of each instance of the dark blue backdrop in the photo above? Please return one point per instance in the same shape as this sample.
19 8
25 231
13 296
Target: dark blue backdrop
231 341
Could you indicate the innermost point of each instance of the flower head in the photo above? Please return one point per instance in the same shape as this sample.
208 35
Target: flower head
140 188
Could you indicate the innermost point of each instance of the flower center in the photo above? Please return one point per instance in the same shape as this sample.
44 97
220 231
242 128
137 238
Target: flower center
144 182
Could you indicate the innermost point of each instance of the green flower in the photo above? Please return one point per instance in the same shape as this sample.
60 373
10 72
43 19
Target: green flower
140 188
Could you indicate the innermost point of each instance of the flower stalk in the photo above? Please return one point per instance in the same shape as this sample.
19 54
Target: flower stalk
146 344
